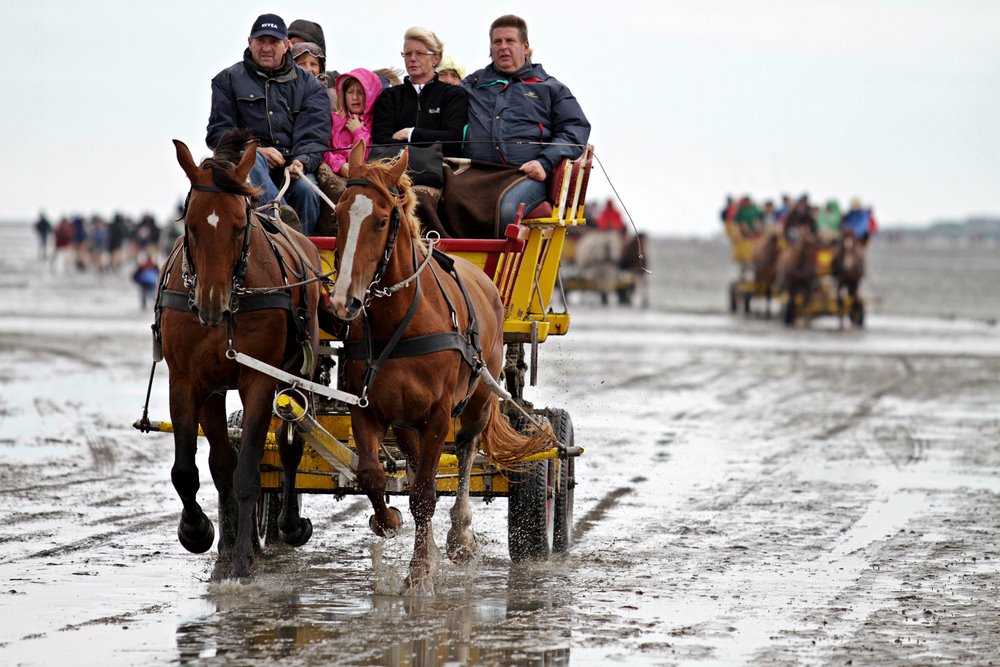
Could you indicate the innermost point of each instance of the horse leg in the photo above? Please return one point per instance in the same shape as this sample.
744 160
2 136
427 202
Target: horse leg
293 529
423 500
195 530
222 462
256 399
840 305
461 545
368 437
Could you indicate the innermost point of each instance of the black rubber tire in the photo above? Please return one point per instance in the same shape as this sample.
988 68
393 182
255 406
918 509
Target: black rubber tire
530 512
268 509
562 537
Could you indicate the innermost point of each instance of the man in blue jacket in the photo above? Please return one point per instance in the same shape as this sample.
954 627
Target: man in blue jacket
520 115
287 109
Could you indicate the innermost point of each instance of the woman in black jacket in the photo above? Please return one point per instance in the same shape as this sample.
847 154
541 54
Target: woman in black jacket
421 110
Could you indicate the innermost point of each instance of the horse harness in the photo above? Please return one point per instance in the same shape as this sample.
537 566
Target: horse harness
377 352
241 299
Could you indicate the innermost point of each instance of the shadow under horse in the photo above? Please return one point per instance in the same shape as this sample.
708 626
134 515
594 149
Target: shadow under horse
216 301
424 343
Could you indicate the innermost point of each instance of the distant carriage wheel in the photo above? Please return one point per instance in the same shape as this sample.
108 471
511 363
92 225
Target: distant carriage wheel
562 538
531 512
733 300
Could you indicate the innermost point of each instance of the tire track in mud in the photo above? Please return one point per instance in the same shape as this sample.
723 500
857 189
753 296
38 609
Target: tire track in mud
116 619
99 538
599 512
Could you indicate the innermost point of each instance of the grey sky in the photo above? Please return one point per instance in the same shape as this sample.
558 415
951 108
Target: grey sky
892 100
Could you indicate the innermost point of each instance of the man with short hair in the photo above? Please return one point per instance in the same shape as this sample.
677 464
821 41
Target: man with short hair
287 109
520 115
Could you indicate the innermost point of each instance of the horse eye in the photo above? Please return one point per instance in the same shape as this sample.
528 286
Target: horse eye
381 224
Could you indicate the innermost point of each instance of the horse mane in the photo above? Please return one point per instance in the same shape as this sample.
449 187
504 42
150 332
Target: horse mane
224 160
377 173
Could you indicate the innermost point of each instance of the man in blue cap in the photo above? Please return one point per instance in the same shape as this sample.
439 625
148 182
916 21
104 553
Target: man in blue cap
287 109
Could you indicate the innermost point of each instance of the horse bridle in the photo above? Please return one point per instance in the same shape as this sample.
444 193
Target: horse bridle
189 273
395 220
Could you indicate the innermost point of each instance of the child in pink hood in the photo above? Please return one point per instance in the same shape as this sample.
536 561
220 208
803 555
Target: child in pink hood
352 121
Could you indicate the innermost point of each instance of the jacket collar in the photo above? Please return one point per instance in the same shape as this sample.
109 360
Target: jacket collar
286 72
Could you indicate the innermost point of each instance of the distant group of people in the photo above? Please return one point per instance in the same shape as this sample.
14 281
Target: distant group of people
309 117
100 244
827 223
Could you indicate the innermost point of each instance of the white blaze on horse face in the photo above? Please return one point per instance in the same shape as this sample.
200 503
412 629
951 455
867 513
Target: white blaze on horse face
360 209
213 220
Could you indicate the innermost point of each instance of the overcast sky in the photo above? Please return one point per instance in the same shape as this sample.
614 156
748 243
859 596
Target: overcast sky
895 101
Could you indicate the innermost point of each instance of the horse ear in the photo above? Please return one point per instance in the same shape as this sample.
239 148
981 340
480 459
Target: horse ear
185 160
357 156
247 161
400 165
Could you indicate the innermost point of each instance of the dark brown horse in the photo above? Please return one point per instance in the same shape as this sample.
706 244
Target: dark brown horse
849 268
421 331
207 312
765 266
797 274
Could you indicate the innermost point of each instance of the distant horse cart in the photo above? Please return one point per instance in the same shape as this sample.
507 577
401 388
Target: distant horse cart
608 264
414 388
806 278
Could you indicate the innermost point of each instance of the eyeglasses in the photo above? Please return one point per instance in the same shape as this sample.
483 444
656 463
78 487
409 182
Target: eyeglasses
417 54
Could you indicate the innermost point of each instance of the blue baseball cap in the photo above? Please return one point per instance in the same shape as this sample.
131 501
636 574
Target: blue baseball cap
269 24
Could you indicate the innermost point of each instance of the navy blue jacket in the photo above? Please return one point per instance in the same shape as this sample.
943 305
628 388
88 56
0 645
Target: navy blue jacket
528 105
436 114
286 108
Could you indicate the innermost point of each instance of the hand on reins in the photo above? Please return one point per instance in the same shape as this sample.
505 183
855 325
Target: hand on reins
533 170
296 169
402 135
273 156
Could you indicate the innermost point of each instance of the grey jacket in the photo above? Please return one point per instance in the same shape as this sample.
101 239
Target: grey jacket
527 106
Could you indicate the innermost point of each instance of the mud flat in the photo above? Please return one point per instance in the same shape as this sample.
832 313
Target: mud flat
749 495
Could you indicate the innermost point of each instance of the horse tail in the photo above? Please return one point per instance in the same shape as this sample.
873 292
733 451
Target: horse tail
504 446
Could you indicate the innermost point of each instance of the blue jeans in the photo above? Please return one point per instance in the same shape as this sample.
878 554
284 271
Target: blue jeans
300 196
532 193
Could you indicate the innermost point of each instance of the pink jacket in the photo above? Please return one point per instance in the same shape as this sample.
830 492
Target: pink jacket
342 138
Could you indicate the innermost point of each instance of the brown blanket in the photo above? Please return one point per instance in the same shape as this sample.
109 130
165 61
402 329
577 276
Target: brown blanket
467 208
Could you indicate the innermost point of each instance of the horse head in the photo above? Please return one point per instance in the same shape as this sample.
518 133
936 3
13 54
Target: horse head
216 224
369 221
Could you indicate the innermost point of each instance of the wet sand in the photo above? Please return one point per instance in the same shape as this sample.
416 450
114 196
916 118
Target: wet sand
749 494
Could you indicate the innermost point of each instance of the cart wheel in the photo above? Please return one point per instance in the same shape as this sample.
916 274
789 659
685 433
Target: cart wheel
562 538
530 512
268 509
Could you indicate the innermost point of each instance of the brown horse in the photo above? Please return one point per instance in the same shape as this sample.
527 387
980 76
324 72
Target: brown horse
797 274
209 280
849 268
424 333
765 267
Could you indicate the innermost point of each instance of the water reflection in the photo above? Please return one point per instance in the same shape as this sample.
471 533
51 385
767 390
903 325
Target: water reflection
499 614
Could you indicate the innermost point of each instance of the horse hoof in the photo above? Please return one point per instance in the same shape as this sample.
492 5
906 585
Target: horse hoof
460 552
299 537
381 531
197 538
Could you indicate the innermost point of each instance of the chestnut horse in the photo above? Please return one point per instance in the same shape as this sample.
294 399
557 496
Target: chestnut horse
209 280
849 268
797 274
765 266
425 330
